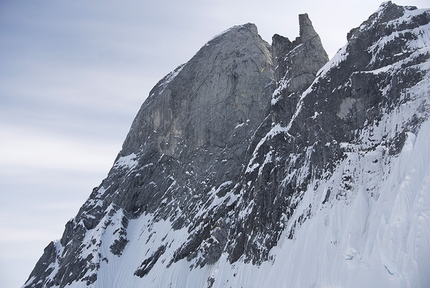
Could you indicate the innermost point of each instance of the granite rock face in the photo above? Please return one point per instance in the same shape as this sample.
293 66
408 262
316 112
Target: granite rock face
189 139
225 149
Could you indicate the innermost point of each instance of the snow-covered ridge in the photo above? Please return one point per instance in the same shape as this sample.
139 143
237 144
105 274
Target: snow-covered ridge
417 37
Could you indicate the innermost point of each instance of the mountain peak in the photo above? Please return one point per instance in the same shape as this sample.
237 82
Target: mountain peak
251 27
307 30
387 11
201 102
246 164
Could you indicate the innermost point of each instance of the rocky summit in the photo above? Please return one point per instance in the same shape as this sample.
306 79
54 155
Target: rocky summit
258 165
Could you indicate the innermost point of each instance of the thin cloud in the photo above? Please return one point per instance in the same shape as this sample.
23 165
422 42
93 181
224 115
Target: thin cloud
33 148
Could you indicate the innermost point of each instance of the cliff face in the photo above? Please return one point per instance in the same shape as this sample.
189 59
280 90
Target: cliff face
241 156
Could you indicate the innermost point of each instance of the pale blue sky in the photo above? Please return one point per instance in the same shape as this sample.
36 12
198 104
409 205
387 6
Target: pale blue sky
73 74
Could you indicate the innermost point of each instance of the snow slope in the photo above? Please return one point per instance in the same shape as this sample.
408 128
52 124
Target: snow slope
359 241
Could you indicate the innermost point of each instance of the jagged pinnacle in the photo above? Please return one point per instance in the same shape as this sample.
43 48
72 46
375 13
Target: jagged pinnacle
307 30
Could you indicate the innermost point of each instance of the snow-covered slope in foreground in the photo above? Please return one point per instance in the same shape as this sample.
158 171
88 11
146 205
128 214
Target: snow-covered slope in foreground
249 166
365 241
360 241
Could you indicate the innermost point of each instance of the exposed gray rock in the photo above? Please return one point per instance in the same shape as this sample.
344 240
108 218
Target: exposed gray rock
300 63
191 137
226 84
227 144
345 102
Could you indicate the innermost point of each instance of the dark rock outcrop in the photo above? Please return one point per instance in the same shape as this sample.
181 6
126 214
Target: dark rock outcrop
352 95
